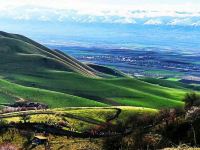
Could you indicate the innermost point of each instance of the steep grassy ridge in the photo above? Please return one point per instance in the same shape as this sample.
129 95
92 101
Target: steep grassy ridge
26 52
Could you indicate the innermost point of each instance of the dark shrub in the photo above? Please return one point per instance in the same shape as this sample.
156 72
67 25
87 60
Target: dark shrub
191 99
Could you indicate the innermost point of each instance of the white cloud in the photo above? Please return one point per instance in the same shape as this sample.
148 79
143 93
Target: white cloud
181 21
96 7
22 17
153 22
44 18
108 11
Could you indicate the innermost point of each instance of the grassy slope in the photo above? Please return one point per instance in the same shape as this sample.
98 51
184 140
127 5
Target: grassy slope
119 91
96 114
171 83
110 72
13 91
14 49
30 64
16 137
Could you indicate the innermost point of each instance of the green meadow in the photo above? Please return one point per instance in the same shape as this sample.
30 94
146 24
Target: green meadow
105 92
30 71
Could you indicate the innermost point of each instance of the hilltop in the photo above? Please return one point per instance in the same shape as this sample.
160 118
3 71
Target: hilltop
23 55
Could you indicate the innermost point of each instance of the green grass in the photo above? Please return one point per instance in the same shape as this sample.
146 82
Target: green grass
128 111
107 91
5 98
100 114
171 84
173 79
95 113
53 99
36 73
20 137
108 71
30 55
153 103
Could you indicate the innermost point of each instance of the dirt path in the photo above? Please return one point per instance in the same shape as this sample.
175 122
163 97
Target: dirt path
64 114
116 115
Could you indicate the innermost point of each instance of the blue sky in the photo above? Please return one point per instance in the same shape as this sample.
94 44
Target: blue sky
153 12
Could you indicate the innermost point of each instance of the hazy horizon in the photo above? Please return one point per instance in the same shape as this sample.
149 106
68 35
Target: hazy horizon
172 24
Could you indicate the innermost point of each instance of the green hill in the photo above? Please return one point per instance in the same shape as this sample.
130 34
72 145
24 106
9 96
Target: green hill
33 72
21 53
110 72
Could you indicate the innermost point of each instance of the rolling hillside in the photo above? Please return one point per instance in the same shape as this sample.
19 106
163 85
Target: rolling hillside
21 53
33 72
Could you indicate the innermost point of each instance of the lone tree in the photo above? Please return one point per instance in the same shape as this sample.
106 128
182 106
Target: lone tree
191 99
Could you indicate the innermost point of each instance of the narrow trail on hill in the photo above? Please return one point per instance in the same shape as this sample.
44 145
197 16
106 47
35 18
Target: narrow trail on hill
55 130
116 115
68 115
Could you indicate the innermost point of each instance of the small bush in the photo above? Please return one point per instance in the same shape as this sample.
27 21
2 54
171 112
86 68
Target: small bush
191 99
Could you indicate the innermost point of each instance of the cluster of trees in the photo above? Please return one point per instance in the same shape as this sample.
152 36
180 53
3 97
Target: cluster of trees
169 128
